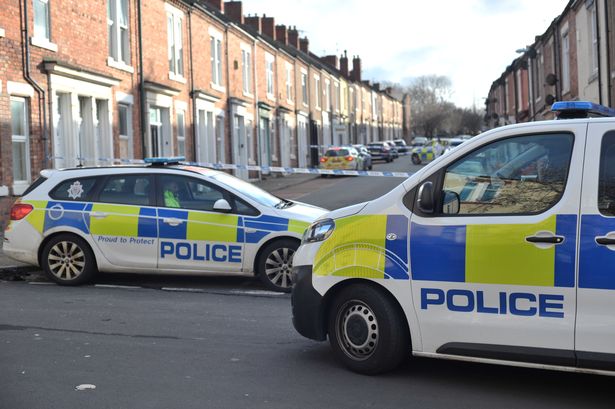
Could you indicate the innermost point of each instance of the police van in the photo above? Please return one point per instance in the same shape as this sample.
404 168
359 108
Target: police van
165 217
502 251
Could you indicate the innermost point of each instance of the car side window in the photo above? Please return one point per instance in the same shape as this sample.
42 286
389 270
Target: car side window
519 175
606 183
127 189
189 193
77 189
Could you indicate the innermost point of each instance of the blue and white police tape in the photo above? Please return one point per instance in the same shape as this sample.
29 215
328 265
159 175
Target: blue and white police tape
256 168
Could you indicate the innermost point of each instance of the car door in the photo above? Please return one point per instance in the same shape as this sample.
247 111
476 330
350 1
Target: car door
493 265
123 221
193 236
595 337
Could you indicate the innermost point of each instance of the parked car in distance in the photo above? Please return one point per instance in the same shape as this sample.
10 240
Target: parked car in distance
394 149
419 141
380 151
342 158
367 156
401 145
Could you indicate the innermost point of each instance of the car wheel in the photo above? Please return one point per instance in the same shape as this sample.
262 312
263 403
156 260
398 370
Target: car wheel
416 159
68 260
275 264
367 331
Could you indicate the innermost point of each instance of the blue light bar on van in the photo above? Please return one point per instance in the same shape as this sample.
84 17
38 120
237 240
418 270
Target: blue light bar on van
164 161
580 109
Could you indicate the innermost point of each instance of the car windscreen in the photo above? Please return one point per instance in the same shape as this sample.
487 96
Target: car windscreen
332 153
255 193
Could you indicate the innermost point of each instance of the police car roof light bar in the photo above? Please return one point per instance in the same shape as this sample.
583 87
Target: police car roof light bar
580 109
164 161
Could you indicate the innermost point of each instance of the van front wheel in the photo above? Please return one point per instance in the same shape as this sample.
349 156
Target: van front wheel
367 330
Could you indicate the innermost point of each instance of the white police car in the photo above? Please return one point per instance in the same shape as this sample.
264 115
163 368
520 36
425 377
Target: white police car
502 251
163 218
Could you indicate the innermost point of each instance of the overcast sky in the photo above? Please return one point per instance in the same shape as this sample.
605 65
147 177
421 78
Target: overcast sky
470 41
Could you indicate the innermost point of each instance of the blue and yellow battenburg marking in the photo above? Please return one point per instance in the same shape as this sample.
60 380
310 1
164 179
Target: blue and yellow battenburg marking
370 246
494 253
149 222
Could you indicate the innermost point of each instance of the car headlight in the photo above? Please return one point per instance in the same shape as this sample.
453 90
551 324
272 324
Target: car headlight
319 231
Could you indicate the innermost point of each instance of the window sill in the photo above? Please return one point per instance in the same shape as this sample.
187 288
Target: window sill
2 33
120 65
248 95
19 188
290 101
4 191
217 87
271 97
177 78
44 43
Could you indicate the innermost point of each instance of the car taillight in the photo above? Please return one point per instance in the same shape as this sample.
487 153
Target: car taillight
349 158
20 210
323 160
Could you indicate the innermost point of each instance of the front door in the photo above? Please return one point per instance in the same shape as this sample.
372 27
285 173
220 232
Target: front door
595 337
493 266
240 147
193 236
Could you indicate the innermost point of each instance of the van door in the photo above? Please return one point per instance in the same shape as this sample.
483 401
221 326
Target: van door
595 334
493 266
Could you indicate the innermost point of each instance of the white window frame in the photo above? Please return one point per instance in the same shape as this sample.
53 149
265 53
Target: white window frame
565 60
327 94
336 96
317 92
38 39
304 87
119 47
19 186
128 136
246 69
181 131
269 77
175 43
215 45
289 83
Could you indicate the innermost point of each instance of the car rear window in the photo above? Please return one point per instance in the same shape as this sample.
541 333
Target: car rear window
77 189
34 185
331 153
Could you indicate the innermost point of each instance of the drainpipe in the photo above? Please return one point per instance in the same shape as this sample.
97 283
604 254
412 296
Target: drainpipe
608 48
257 114
192 94
598 41
228 102
141 81
39 90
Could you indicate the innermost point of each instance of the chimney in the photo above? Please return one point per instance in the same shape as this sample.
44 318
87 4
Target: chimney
293 37
233 9
344 64
304 45
377 86
281 34
268 26
217 4
330 60
254 22
389 90
356 69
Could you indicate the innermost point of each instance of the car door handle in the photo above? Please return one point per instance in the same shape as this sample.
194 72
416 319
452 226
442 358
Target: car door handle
98 215
171 221
545 239
605 241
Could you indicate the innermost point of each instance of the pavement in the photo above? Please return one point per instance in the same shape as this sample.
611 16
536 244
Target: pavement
272 183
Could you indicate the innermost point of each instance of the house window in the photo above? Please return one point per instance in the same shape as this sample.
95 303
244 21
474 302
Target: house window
181 132
42 20
565 62
304 95
125 124
246 70
289 82
117 22
220 145
155 131
269 74
593 57
20 139
336 97
327 94
317 91
216 59
176 49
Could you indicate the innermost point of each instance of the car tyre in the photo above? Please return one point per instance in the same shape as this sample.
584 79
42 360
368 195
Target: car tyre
367 330
275 264
68 260
416 159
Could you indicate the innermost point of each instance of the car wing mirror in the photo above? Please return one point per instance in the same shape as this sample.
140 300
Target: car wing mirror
222 205
426 199
451 202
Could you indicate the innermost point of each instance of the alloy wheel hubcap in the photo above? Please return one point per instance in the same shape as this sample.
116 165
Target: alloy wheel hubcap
66 260
279 266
